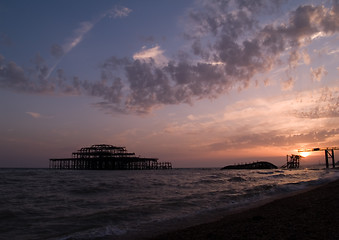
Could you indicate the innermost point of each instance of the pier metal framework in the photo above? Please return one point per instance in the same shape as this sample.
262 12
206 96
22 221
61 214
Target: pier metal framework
292 161
106 157
329 154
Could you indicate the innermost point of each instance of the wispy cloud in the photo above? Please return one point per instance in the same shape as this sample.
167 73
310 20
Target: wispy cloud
38 115
83 29
289 120
79 34
86 26
119 12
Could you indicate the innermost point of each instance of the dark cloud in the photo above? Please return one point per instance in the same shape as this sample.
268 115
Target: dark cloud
110 92
229 46
260 5
150 85
244 58
16 78
35 78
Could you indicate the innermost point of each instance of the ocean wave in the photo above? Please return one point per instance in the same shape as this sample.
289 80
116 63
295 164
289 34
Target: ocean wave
95 233
237 179
212 181
278 176
265 172
260 189
114 202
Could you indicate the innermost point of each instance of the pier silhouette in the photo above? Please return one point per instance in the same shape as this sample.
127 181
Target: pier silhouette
329 154
106 157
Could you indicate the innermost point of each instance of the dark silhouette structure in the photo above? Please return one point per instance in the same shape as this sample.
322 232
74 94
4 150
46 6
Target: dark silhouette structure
329 154
292 161
106 157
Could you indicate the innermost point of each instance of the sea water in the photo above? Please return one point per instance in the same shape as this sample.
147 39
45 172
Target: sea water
68 204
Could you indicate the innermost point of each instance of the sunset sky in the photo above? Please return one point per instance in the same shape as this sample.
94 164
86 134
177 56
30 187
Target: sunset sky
198 83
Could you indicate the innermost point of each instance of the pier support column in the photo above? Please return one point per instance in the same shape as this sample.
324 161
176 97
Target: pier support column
333 161
329 154
326 158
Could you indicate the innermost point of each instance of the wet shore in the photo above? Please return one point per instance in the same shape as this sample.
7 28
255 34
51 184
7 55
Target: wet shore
312 214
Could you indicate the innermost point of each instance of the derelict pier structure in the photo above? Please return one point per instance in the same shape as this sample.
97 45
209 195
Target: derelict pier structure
292 161
106 157
329 154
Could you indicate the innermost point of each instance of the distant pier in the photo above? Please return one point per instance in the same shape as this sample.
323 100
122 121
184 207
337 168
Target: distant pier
329 154
292 161
106 157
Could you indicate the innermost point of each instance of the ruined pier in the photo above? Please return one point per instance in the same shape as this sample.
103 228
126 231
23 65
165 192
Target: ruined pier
329 154
106 157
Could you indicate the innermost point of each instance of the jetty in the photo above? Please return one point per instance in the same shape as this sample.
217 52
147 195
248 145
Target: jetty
106 157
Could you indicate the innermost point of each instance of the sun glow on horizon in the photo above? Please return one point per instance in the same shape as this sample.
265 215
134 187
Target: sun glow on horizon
305 154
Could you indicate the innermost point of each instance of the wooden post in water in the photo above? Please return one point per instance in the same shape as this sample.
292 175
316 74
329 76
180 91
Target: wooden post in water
329 154
326 158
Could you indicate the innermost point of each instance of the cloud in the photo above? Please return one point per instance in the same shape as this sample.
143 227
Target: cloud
148 85
59 51
84 28
151 54
34 79
230 33
119 12
278 121
291 119
322 104
38 115
287 84
13 76
183 81
78 35
318 73
306 57
275 139
334 51
191 117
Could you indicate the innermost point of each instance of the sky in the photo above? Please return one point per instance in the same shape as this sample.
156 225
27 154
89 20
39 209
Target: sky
198 83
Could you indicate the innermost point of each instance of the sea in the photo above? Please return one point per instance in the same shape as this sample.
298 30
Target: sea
134 204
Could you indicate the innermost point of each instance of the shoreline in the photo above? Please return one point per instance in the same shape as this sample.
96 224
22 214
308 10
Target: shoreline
311 213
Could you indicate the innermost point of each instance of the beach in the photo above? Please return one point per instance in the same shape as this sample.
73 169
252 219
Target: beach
312 214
